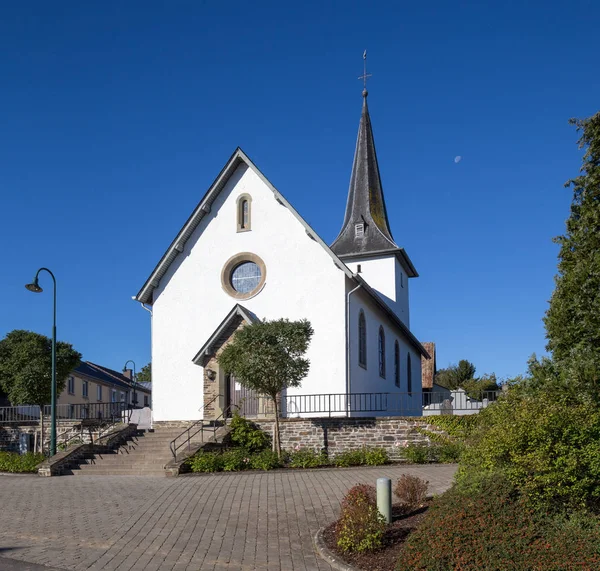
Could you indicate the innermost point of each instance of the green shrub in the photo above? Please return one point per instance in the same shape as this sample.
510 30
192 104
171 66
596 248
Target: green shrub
206 462
448 452
20 463
411 491
419 454
247 435
265 460
376 456
235 460
498 529
360 526
549 449
350 458
307 458
456 426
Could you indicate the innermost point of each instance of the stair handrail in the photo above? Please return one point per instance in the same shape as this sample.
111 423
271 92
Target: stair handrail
222 417
200 422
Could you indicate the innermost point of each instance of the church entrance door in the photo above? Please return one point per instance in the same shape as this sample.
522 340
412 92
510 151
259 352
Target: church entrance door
237 396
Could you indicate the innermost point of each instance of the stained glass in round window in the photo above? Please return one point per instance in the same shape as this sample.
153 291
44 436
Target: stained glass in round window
245 277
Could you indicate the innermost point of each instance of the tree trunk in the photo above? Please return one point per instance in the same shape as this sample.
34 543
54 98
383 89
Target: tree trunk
276 437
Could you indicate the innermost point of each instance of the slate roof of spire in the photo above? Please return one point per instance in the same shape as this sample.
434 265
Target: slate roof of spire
366 204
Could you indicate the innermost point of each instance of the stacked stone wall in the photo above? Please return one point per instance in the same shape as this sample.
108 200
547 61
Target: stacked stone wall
183 424
336 435
10 433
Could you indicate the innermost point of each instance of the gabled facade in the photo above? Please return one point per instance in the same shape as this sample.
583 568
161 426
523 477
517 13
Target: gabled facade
246 254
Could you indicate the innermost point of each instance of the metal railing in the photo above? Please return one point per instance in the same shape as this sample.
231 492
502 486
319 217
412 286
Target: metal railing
187 435
95 411
19 414
77 411
374 404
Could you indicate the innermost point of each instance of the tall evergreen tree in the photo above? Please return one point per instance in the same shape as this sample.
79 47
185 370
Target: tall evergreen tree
573 318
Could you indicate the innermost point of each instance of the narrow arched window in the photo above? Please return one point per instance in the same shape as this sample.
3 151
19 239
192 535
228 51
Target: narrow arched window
244 204
362 339
244 214
381 352
397 363
408 374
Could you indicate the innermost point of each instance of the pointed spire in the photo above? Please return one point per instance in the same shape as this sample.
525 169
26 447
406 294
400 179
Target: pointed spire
366 227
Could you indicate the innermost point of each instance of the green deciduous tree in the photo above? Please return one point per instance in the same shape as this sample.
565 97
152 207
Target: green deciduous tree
268 357
455 376
573 318
145 375
26 366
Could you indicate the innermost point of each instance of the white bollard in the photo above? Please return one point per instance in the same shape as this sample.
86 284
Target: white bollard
384 498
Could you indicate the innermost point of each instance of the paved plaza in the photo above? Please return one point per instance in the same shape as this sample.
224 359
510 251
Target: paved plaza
238 521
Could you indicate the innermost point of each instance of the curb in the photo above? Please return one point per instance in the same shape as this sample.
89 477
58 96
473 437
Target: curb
326 554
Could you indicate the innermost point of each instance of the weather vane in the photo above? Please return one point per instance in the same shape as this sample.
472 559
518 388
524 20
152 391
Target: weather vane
365 75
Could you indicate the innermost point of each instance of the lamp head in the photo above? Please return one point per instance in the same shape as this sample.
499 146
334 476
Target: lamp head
34 286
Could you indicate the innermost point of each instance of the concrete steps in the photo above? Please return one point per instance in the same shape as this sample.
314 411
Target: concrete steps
144 454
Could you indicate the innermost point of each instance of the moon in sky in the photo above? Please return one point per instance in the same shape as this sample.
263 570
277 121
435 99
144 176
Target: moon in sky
457 159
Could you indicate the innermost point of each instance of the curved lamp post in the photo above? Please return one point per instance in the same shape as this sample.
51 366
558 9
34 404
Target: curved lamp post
134 401
35 288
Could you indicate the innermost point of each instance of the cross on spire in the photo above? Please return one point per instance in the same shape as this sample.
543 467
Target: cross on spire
365 75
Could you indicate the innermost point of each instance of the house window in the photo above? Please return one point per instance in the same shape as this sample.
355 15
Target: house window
122 396
408 373
113 395
99 392
401 279
381 353
146 401
84 389
397 363
359 230
71 385
244 203
362 339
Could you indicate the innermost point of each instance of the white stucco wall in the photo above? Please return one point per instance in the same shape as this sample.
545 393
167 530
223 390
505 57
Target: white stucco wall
368 380
386 275
302 282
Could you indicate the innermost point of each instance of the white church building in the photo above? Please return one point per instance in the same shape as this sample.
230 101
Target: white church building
245 254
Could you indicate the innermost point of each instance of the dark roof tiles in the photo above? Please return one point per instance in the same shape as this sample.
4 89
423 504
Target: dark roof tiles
366 204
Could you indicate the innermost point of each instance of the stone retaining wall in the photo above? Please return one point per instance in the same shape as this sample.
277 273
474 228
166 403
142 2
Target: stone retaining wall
337 435
183 424
10 433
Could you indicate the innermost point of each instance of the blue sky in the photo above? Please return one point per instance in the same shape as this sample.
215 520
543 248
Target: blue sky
117 116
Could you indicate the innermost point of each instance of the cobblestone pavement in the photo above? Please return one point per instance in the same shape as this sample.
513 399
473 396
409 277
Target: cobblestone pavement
242 521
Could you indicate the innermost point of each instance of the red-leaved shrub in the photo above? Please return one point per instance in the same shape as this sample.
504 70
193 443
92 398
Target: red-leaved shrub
361 526
411 491
497 529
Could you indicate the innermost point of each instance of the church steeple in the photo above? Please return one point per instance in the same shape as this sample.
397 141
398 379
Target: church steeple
366 228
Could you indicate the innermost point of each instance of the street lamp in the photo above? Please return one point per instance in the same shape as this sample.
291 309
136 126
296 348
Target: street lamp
134 401
35 288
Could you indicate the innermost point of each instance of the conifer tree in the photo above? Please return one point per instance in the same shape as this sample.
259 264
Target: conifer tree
573 318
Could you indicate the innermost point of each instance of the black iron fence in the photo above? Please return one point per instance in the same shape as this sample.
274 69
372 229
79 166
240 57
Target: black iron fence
95 411
109 411
372 404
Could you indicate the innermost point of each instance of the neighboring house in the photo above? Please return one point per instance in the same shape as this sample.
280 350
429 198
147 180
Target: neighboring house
246 254
92 383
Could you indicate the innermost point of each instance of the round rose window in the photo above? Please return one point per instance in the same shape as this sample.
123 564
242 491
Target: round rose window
245 277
